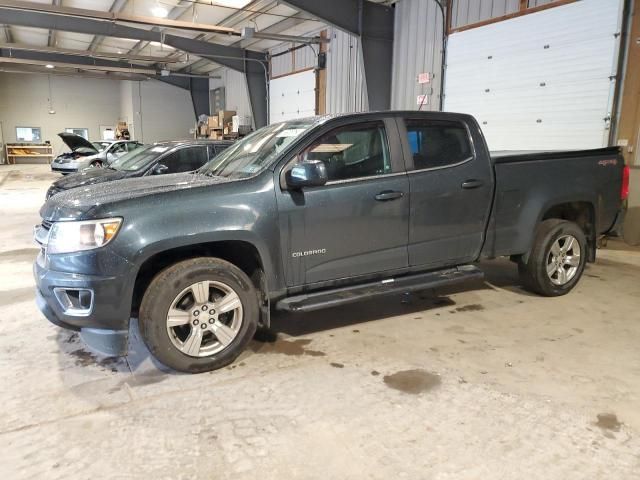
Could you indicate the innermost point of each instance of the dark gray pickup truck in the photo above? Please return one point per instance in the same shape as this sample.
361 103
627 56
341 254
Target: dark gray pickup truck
313 213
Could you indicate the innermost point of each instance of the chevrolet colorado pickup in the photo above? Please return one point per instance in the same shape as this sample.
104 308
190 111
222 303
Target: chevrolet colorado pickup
314 213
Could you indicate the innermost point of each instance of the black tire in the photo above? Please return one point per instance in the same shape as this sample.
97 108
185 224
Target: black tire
96 164
167 286
533 273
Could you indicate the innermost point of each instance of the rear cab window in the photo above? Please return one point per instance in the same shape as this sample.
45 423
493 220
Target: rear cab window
437 143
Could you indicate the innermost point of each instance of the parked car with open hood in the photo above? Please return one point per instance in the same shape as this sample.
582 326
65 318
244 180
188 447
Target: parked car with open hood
85 154
159 158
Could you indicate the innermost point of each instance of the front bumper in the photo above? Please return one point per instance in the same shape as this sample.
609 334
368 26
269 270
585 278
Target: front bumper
110 299
71 167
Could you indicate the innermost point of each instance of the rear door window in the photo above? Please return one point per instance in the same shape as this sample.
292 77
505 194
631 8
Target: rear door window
436 143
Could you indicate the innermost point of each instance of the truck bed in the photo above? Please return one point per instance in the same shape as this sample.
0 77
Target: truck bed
528 184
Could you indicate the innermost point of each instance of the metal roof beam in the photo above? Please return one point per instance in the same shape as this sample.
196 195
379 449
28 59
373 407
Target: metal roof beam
116 6
7 53
231 57
7 33
87 53
51 39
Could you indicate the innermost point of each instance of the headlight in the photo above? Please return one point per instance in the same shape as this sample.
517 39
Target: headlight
66 237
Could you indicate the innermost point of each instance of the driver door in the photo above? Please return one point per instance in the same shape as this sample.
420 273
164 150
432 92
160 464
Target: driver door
357 223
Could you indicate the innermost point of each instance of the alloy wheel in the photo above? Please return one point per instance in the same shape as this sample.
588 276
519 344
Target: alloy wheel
204 318
563 260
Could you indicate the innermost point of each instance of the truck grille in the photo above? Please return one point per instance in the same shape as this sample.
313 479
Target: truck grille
41 237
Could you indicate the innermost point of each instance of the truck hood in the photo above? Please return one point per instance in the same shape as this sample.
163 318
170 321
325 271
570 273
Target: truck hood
88 177
73 204
77 143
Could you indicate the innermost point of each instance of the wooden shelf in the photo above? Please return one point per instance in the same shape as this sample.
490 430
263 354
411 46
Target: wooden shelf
28 151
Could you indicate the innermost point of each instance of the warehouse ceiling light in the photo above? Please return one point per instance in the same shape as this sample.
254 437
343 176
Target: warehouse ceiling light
48 65
159 11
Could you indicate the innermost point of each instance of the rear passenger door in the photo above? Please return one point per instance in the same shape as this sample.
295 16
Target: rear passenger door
451 188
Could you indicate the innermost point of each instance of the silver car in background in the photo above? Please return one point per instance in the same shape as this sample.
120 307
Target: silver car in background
85 154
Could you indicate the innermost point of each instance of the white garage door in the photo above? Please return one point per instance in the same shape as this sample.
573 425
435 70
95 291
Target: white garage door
292 96
540 81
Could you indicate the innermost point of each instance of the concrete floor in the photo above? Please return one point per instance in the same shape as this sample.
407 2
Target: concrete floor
483 381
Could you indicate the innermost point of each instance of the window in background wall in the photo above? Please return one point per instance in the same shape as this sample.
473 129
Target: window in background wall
28 134
83 132
107 132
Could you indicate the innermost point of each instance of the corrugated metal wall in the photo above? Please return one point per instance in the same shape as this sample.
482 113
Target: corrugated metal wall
346 86
465 12
301 59
417 49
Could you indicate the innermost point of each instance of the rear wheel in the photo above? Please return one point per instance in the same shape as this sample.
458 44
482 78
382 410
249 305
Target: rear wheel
199 314
557 259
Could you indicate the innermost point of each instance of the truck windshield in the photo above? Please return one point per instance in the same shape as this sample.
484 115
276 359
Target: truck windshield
139 158
257 151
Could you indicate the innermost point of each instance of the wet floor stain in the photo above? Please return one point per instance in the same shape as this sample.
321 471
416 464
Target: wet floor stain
608 421
337 365
412 381
470 308
85 358
375 373
20 255
19 295
285 347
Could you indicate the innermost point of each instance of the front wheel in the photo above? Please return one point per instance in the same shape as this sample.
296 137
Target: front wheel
557 259
199 315
96 164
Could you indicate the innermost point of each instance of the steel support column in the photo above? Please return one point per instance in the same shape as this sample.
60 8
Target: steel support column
373 23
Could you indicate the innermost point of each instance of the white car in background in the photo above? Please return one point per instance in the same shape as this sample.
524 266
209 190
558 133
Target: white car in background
86 154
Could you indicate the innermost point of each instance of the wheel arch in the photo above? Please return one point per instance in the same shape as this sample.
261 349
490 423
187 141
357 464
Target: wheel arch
581 212
243 254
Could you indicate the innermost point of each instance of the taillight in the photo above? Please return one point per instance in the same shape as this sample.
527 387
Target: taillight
624 191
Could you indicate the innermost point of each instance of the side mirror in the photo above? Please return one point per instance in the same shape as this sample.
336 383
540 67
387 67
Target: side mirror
159 169
310 173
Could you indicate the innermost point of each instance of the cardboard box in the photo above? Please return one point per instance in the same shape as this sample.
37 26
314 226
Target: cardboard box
213 122
224 117
239 121
204 130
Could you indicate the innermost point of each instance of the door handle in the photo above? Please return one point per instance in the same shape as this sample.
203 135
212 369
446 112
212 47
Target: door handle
389 195
472 183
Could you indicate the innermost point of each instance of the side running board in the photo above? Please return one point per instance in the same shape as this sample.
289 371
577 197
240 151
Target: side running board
308 302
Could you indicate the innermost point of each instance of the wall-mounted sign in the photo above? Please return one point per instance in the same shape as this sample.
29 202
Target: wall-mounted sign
424 77
423 99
